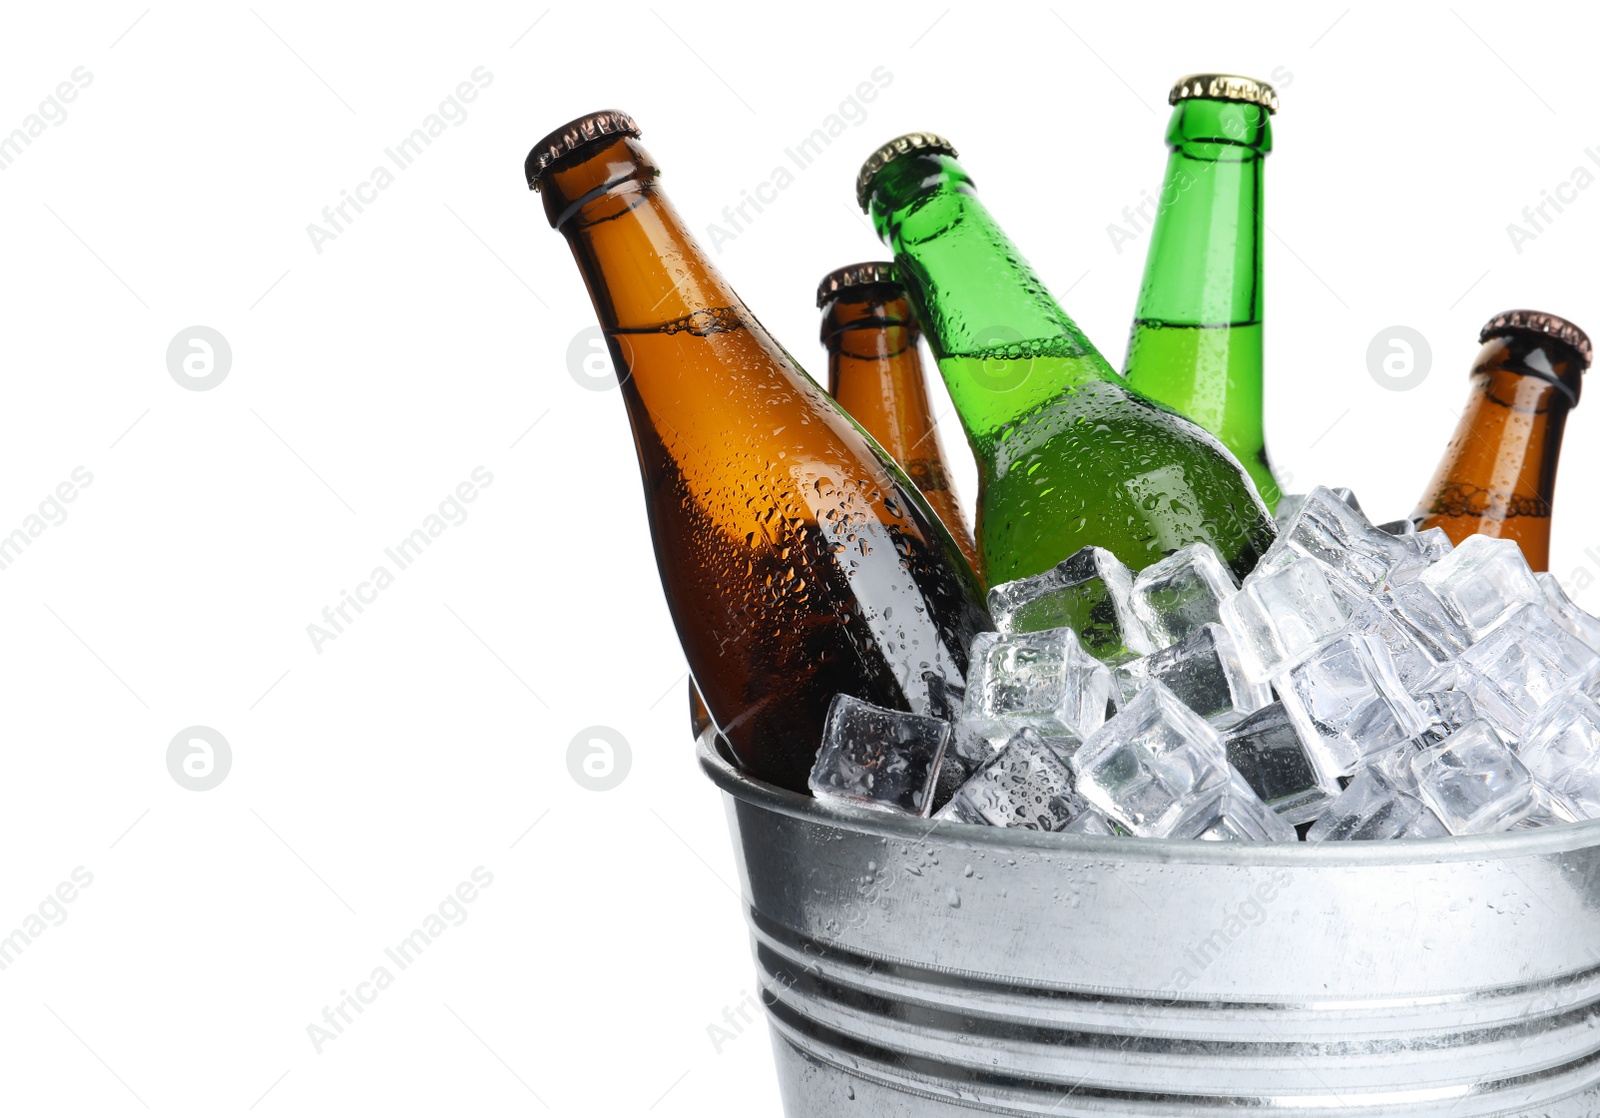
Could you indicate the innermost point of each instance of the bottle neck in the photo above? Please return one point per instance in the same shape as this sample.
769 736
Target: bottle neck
642 266
982 307
1204 263
875 370
1498 475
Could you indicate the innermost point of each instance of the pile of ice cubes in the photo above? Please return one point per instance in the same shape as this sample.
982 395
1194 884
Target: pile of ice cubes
1362 683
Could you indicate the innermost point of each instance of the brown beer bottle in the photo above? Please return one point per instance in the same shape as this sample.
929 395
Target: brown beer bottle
798 560
1498 475
875 374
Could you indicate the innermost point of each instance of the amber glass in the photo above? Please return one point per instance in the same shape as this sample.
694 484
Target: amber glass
1498 475
798 560
875 373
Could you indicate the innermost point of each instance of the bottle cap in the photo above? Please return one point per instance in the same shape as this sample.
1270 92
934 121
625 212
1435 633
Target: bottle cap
574 135
855 275
901 145
1538 322
1224 87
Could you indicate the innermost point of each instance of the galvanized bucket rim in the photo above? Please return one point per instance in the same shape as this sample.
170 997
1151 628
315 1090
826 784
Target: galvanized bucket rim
1456 848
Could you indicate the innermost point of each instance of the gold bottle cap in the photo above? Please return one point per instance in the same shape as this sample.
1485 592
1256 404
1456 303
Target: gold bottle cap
574 135
855 275
1538 322
1224 87
901 145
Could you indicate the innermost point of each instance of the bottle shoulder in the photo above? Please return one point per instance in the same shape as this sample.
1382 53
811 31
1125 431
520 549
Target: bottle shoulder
1105 430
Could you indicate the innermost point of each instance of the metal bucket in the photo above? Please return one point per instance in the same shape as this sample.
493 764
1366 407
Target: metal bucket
912 968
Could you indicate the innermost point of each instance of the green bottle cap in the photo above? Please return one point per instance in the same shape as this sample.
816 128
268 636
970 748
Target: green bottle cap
1538 322
926 142
1224 87
574 135
855 275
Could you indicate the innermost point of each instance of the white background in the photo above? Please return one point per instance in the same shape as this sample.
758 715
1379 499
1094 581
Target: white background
371 776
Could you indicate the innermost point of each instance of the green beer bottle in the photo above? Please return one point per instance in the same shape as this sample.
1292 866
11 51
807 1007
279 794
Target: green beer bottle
1068 455
1196 340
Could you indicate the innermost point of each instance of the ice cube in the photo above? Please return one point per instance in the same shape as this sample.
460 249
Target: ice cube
1091 822
1483 582
1412 660
958 810
878 758
1203 671
1423 550
1520 666
1562 750
944 697
1433 544
1178 595
1445 712
1395 763
1266 751
1288 505
1348 703
1088 592
1291 503
1330 529
1589 682
1566 612
1278 618
1447 678
1403 527
1156 768
1238 815
1550 809
1424 616
1025 785
1473 781
1373 807
1043 679
970 747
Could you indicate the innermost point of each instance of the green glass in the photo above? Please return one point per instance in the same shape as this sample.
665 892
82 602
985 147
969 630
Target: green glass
1196 339
1068 455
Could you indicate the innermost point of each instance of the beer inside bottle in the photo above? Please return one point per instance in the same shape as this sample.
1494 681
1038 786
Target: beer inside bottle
1196 339
798 561
1068 454
1498 475
875 373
